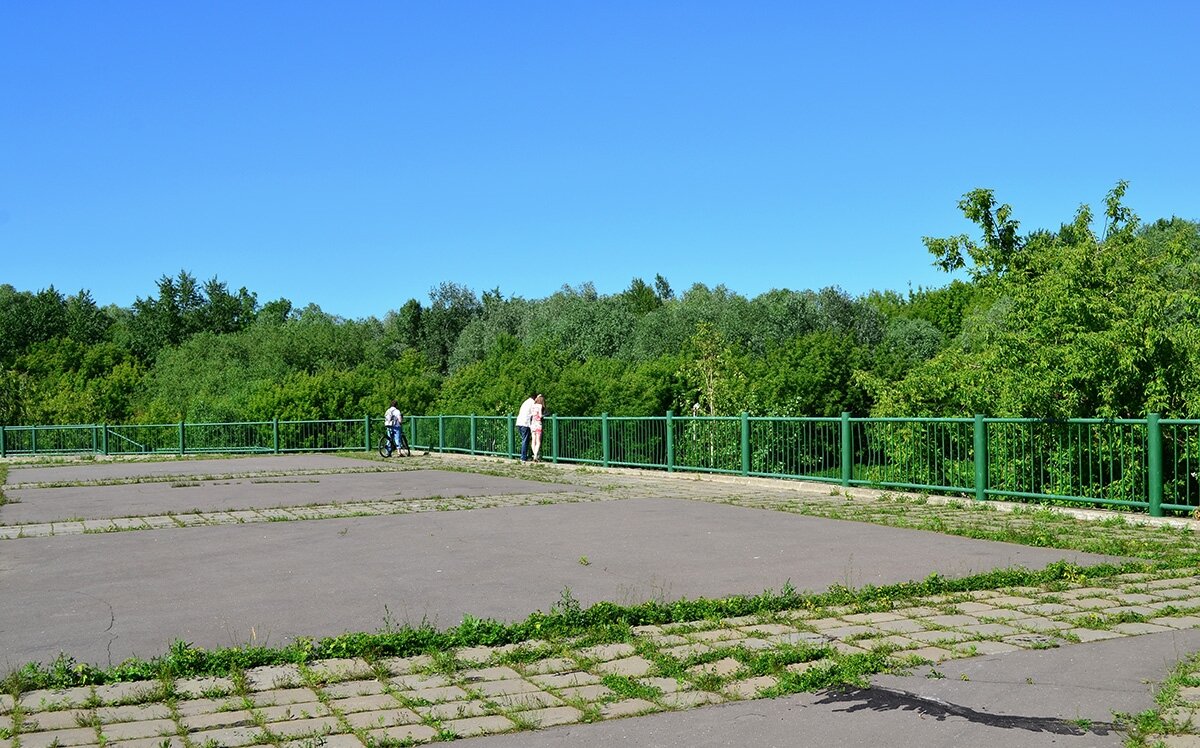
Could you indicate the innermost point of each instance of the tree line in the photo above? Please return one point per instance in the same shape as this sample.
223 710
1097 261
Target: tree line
1084 321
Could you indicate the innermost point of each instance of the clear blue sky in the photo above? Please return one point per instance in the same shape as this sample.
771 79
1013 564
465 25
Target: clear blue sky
356 154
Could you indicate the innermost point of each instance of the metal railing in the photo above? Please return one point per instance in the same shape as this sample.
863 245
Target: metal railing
1150 464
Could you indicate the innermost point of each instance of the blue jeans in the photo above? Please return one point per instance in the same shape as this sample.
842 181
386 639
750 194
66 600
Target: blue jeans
524 432
394 431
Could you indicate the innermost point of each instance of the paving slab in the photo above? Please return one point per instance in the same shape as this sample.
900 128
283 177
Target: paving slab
30 505
102 598
119 469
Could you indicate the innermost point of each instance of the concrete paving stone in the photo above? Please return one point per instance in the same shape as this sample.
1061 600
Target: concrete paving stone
559 715
985 647
527 700
1012 601
489 673
740 621
48 698
685 651
689 699
1177 622
627 708
116 694
135 730
405 665
1078 593
646 630
420 682
1033 641
1167 605
479 655
502 687
158 523
975 608
58 720
1092 635
717 635
722 667
605 652
990 629
633 667
847 632
1004 614
1139 628
273 677
900 626
352 688
753 644
210 720
382 718
953 621
1173 593
586 693
173 741
933 654
801 639
664 685
1175 741
336 671
70 737
454 709
1091 603
283 697
1141 610
1049 609
438 695
343 740
821 624
373 703
189 707
919 611
938 635
898 641
550 665
1189 695
751 687
403 733
565 680
871 618
767 629
1134 598
190 520
668 640
132 712
300 711
486 725
191 688
298 727
97 525
847 648
1041 624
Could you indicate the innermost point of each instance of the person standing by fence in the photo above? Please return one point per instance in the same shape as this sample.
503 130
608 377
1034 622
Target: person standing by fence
535 426
524 419
394 420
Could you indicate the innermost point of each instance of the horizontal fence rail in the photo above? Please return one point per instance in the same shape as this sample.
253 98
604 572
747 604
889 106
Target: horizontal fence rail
1150 464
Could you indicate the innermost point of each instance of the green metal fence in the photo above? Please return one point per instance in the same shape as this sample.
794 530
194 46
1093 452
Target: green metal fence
1150 464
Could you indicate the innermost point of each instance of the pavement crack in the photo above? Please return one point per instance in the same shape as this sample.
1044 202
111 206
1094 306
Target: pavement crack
886 700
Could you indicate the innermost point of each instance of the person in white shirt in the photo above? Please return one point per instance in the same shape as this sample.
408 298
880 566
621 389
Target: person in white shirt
524 420
395 421
535 427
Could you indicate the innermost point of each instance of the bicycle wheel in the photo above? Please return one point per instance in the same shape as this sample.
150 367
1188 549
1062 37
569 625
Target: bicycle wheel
385 446
403 449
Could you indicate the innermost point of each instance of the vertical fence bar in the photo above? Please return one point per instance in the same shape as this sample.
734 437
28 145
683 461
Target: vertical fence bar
1154 463
104 439
745 443
366 433
847 450
275 435
604 436
182 444
510 435
981 459
33 439
670 442
3 449
441 433
93 430
554 438
472 433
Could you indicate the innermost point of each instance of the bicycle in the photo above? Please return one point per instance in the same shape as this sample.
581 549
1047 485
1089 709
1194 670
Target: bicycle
387 446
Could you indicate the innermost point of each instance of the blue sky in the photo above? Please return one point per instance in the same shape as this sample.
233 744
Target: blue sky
356 154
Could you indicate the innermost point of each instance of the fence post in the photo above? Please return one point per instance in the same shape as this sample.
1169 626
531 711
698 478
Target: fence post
981 459
554 438
510 435
33 439
745 443
275 434
1155 466
366 433
604 437
182 443
847 450
3 449
441 433
104 439
472 433
670 441
93 440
